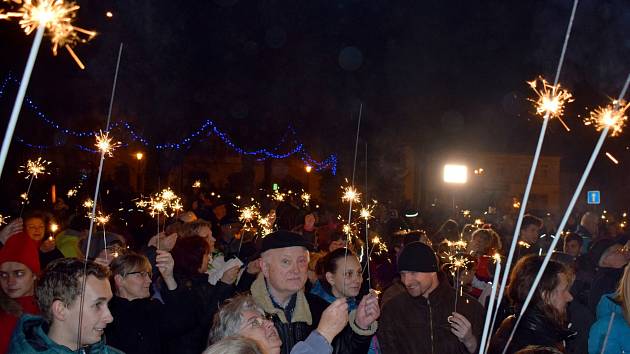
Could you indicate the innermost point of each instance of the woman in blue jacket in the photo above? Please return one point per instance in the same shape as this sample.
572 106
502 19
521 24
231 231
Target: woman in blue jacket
613 311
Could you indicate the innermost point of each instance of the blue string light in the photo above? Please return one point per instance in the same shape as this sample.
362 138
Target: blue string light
207 129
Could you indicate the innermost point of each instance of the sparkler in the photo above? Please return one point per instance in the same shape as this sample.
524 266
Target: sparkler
56 16
551 99
247 216
485 338
72 193
306 198
532 171
612 116
32 169
104 143
278 196
96 192
197 184
3 219
166 203
350 195
611 121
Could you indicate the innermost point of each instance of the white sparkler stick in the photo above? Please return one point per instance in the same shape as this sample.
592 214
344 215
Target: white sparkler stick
17 106
487 328
532 171
565 218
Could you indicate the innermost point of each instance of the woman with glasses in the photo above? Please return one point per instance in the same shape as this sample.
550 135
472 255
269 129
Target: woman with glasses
140 322
241 317
340 276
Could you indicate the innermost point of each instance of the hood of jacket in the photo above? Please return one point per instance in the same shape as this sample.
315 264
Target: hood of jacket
30 338
607 306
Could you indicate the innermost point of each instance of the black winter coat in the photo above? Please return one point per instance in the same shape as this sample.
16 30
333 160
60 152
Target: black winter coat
140 325
347 341
201 300
534 329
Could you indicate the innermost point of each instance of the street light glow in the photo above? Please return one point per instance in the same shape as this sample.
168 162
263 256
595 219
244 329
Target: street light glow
456 174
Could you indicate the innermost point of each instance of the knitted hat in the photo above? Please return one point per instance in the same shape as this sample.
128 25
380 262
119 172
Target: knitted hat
417 257
22 249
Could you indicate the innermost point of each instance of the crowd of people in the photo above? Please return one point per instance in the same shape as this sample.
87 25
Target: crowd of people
211 284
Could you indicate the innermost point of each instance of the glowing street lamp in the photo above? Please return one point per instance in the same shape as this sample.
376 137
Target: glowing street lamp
455 174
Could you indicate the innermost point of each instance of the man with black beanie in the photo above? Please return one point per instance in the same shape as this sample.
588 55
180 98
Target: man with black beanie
425 318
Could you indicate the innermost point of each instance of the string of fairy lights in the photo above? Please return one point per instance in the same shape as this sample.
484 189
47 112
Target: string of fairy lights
207 129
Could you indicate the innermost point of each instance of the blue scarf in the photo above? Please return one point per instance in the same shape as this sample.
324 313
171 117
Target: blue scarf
319 290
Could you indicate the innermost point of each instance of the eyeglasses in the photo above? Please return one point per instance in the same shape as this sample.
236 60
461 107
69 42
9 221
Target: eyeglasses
258 321
142 274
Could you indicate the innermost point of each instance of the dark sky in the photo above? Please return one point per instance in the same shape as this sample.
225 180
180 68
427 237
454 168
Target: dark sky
436 74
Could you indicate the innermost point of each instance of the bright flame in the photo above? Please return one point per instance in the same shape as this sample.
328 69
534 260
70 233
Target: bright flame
72 193
351 195
57 17
54 227
88 203
34 168
105 145
612 116
197 184
551 99
306 198
166 202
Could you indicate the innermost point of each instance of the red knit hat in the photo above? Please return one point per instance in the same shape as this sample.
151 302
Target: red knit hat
22 249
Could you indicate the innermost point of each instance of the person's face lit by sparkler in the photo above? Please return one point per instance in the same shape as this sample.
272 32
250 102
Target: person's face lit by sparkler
348 284
419 283
35 228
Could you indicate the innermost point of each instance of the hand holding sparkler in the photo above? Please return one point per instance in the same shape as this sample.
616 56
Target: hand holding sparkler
368 311
165 264
462 329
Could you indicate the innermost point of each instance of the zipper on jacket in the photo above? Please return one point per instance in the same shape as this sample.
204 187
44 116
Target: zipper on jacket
431 324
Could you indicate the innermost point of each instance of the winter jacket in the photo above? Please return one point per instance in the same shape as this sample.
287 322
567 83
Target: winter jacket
8 321
606 281
349 340
30 338
141 325
534 329
201 300
619 337
315 343
420 325
301 323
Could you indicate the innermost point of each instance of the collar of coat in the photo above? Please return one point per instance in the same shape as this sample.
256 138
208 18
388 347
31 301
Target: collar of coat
302 312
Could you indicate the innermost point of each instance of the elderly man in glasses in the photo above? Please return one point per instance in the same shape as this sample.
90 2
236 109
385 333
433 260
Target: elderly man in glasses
241 316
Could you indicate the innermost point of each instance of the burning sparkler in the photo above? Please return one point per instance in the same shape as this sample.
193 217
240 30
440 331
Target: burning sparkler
72 193
612 116
3 219
88 203
278 196
56 17
551 99
33 169
197 184
306 198
350 195
104 143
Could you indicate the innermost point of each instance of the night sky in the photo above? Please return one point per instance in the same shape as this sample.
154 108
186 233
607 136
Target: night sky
431 74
